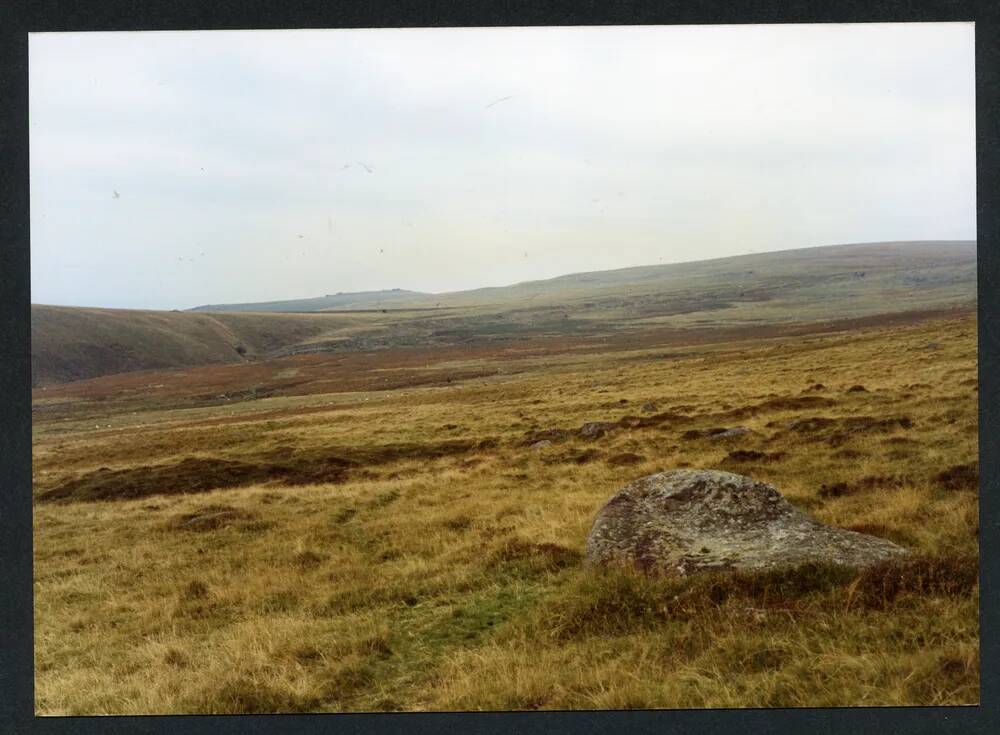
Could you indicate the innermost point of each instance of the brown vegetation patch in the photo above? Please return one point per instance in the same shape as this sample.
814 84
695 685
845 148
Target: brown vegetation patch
625 459
308 559
791 403
198 475
194 475
810 425
960 477
795 403
616 602
457 523
867 425
195 590
642 422
597 429
946 576
692 434
744 456
537 435
838 431
848 454
840 489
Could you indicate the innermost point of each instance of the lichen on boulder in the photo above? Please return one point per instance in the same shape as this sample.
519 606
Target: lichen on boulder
681 522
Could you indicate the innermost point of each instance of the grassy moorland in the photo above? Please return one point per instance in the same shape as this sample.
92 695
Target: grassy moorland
374 530
747 291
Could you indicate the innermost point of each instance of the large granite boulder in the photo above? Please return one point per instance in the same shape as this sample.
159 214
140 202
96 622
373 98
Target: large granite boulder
685 521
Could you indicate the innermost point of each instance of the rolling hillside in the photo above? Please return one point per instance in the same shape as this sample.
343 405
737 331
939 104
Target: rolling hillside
899 265
69 343
329 302
798 286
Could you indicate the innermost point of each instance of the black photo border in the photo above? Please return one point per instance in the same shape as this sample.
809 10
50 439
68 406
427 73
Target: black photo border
18 18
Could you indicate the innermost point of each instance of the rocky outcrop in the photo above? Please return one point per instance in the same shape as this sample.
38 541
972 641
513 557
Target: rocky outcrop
686 521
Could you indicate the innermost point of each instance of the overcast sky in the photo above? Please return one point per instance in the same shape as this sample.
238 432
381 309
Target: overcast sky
175 169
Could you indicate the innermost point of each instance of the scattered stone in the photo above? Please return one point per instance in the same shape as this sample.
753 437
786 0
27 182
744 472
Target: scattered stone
552 435
596 429
541 444
730 433
649 407
682 522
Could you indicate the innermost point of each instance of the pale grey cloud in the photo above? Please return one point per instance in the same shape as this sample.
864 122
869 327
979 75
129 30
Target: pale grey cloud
241 159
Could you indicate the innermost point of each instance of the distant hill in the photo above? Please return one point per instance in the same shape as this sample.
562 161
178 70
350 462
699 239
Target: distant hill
71 343
330 302
793 286
904 263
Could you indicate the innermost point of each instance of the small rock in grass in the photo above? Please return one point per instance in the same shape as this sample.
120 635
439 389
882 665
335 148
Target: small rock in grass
596 429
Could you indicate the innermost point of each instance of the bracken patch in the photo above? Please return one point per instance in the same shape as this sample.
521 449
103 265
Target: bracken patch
783 403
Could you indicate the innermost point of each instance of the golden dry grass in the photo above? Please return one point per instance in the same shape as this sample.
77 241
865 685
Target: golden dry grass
453 579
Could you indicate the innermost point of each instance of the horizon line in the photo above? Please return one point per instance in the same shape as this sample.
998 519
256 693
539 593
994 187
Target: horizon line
506 285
